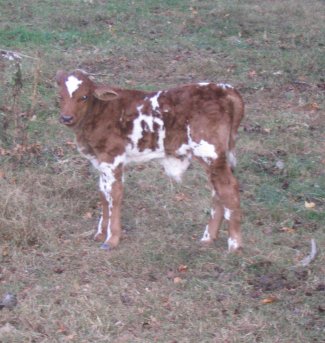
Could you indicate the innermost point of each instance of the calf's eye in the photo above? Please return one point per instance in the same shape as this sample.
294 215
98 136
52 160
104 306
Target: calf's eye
84 98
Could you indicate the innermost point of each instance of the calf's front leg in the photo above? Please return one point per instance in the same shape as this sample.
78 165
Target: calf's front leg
111 194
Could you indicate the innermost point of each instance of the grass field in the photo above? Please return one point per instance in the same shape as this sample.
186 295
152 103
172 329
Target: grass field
160 284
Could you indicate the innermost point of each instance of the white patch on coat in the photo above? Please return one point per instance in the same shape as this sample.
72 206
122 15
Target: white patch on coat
154 101
106 181
72 84
232 244
202 84
175 167
206 236
213 212
183 150
227 213
202 149
133 154
225 85
89 157
231 157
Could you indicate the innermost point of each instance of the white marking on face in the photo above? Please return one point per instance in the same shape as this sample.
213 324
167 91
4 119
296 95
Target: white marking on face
225 85
227 213
72 84
175 167
154 101
206 235
232 244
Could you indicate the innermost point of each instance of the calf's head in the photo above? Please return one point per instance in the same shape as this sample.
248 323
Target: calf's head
77 94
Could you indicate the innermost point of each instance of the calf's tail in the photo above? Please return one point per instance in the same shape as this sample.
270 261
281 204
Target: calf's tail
237 114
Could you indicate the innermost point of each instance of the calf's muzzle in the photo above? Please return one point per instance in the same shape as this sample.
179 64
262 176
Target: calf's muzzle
65 119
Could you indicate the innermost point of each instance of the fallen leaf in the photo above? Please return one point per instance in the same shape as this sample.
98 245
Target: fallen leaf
88 215
269 300
180 197
309 204
58 270
62 328
5 251
182 268
177 280
287 229
311 107
70 143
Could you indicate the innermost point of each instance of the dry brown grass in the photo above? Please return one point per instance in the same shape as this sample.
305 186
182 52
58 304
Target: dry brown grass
161 285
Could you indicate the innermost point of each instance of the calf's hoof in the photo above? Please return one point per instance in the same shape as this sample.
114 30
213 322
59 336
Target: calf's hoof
105 246
234 245
100 237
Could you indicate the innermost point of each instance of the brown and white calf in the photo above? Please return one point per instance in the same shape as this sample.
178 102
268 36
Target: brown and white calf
115 127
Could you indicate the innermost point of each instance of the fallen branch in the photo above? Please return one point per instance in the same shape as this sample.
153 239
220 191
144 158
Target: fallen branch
311 257
14 56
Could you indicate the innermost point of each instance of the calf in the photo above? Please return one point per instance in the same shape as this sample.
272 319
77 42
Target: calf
115 127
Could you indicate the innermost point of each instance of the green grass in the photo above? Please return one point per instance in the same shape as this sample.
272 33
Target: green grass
71 291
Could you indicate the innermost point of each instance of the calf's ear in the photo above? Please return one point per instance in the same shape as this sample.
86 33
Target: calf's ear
60 76
105 94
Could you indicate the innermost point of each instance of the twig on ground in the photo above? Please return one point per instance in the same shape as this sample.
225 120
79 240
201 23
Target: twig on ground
14 56
311 257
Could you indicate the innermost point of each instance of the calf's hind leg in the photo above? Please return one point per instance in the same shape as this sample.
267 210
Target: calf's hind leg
217 212
226 187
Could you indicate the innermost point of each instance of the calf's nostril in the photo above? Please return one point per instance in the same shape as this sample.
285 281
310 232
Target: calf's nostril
65 118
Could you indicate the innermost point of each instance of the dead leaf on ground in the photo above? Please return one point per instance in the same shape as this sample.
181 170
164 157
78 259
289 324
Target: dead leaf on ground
5 251
269 300
177 280
88 215
71 144
311 107
181 197
58 270
182 268
309 204
62 328
287 229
